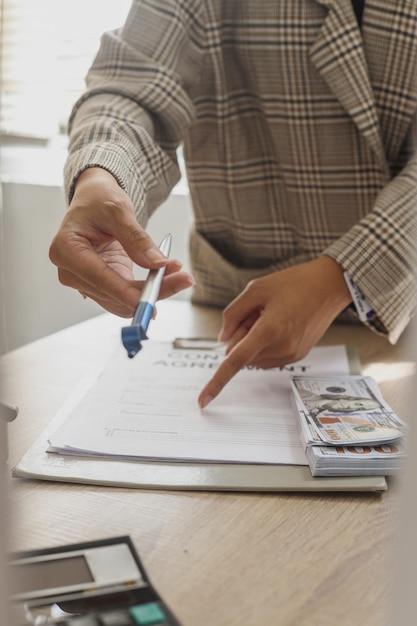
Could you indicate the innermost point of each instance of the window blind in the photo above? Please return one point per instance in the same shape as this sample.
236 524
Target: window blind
47 48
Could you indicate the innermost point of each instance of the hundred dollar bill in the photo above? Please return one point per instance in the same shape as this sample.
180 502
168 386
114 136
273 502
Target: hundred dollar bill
344 410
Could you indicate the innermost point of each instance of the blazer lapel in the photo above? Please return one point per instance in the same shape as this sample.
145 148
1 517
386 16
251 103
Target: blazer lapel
392 36
339 57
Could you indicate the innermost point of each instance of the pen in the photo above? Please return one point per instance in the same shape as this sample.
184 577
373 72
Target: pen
133 335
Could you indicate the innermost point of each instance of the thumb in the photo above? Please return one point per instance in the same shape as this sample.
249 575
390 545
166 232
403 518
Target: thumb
115 216
140 247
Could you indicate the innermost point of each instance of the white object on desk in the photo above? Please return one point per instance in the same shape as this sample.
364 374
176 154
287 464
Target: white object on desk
147 409
241 475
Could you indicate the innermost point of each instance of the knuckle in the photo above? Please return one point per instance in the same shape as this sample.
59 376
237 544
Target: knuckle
291 350
56 250
255 285
53 254
234 362
137 237
64 278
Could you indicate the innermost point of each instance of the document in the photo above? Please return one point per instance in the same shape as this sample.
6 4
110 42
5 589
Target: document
146 408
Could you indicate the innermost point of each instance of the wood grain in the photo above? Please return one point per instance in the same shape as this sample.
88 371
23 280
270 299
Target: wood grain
224 559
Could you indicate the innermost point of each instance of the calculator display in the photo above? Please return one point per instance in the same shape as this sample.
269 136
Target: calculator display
86 569
63 572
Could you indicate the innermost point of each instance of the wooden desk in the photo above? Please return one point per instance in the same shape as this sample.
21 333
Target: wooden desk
224 559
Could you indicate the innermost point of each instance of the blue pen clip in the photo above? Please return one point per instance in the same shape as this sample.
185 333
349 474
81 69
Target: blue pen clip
133 335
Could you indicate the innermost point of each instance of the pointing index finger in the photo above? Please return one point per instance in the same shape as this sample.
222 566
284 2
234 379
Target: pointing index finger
242 354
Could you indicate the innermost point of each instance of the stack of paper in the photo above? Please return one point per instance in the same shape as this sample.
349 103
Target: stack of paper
346 427
146 408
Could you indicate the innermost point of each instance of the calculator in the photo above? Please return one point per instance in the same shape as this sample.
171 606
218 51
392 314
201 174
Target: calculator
99 583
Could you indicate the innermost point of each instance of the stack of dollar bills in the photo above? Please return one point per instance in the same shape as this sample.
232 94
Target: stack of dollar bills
346 427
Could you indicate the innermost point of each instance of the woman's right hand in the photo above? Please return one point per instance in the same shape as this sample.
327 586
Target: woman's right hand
99 240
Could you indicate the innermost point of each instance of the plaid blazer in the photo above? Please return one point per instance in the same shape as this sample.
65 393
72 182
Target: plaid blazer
297 131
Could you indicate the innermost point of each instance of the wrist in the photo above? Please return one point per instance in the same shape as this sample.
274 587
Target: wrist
96 187
335 289
95 175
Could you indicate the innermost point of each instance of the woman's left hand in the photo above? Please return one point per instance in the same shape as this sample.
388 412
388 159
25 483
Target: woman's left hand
278 318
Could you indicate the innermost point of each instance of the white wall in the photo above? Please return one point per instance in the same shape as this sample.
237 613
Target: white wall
33 303
2 303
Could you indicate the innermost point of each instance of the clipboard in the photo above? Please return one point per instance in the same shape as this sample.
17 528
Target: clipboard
173 475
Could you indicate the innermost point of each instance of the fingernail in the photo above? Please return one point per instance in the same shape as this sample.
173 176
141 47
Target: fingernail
179 288
155 255
205 400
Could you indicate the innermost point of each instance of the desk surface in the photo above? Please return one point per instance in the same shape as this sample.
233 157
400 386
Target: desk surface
216 558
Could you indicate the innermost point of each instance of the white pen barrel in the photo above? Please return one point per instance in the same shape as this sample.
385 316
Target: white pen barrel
153 282
152 287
